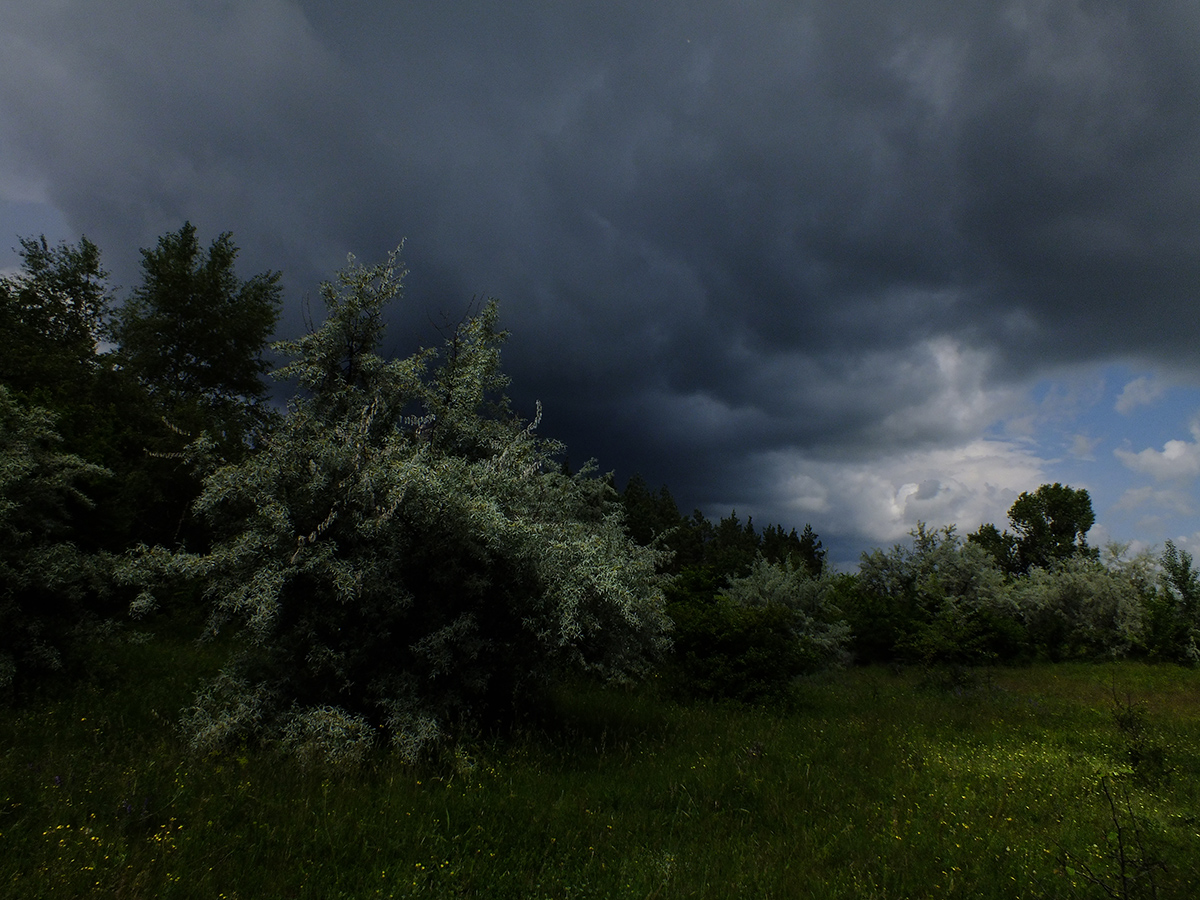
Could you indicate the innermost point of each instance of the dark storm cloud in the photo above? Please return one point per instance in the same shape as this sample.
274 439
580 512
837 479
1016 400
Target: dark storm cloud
828 229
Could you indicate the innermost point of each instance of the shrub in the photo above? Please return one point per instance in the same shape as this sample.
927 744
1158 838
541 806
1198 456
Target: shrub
404 551
752 640
816 624
938 600
44 577
1172 626
1081 608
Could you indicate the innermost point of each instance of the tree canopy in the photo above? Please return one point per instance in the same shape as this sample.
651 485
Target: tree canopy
1049 526
194 335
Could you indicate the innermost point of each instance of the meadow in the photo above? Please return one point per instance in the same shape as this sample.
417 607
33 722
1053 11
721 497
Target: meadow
1071 779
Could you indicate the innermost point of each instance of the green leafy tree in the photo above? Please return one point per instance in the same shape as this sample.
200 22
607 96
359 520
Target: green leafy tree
52 316
817 624
651 516
733 547
403 553
1048 526
194 338
804 550
1173 609
750 640
44 576
56 316
812 553
1001 545
1051 525
194 335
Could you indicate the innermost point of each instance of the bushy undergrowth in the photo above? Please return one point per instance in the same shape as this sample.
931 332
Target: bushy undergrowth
940 600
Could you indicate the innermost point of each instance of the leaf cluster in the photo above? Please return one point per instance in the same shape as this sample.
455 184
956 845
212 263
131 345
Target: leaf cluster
43 574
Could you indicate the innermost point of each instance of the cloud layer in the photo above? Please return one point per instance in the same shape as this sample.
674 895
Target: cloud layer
808 260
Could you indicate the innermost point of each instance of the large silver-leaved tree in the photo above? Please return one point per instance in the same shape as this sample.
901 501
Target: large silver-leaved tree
404 555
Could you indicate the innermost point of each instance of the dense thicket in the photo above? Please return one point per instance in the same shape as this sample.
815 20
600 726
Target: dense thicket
83 396
403 552
751 610
1035 591
45 577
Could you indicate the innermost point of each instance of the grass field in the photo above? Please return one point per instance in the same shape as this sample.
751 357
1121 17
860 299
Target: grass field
1049 781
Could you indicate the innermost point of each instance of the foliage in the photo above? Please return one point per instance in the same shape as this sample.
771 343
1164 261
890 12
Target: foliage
1082 608
750 641
1049 525
812 553
43 575
816 625
649 515
52 315
403 551
1173 610
936 600
727 550
194 334
188 346
726 650
55 315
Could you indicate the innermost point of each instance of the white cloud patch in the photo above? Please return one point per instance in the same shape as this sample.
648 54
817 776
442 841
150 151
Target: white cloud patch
1084 447
1150 498
1144 390
1177 459
884 498
951 398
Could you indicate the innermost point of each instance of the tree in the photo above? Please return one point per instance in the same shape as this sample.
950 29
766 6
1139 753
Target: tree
804 550
650 516
1000 545
43 574
817 624
193 338
194 335
938 600
1051 525
1173 609
56 316
1082 608
403 552
52 316
750 641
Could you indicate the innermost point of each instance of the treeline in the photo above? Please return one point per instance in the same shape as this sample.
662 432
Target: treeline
400 554
753 610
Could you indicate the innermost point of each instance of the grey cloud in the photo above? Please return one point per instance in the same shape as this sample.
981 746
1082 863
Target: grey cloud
716 233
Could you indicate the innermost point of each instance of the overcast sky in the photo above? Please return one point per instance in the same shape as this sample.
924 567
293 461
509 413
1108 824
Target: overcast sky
855 264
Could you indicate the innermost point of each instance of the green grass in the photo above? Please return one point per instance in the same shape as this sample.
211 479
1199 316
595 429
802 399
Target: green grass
872 785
